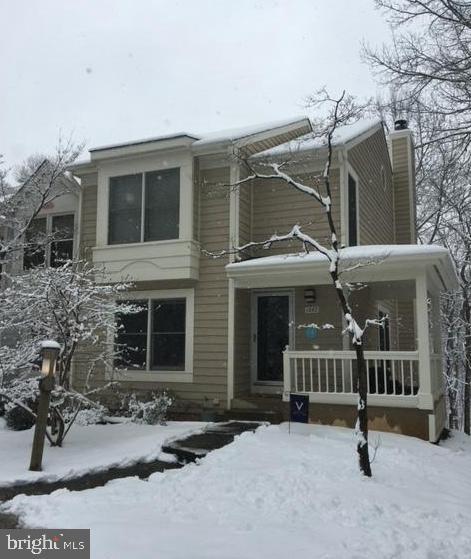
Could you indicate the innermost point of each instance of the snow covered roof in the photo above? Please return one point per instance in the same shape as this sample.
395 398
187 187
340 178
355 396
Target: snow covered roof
377 261
162 138
198 142
234 134
342 136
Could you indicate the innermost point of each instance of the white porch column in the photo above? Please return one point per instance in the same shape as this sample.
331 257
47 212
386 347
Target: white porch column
423 343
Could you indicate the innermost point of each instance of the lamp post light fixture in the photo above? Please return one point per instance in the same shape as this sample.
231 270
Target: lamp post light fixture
49 353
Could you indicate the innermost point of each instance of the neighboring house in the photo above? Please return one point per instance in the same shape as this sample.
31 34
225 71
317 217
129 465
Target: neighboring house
52 236
233 334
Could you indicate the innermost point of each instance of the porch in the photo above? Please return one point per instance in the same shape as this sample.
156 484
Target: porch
287 332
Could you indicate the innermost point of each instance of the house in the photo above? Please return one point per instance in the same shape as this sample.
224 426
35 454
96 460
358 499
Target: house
236 333
52 235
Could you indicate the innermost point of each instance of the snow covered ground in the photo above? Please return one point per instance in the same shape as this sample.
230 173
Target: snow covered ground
86 449
271 494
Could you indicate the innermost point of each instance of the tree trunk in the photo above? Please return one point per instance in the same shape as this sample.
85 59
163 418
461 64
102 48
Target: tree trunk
467 363
362 423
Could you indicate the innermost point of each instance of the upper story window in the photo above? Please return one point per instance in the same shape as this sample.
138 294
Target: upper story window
352 211
49 241
144 207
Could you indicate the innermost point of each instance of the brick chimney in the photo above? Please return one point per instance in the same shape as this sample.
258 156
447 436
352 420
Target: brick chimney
401 152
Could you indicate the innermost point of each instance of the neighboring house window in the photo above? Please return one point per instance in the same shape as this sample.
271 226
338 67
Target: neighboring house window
384 332
352 211
156 337
35 250
49 241
144 207
62 246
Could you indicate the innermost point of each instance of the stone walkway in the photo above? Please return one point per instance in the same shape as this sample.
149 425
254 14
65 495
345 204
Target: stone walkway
186 450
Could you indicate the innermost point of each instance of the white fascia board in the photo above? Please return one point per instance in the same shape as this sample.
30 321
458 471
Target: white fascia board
82 168
301 272
131 150
259 137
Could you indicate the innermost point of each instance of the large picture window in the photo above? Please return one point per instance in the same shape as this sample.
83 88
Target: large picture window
144 207
155 338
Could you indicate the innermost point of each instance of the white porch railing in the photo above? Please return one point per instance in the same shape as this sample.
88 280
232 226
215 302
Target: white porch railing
331 376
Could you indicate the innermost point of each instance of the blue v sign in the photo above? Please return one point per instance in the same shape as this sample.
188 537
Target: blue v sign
299 408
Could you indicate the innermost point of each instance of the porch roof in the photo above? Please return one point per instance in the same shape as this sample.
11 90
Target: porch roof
360 263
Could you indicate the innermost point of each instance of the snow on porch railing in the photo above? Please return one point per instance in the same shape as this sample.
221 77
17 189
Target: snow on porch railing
390 373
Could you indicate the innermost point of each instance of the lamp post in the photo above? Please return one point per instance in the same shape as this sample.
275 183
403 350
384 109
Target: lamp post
49 352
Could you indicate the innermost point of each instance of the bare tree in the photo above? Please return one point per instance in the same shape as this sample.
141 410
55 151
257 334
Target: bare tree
19 206
428 62
64 303
28 167
428 65
341 111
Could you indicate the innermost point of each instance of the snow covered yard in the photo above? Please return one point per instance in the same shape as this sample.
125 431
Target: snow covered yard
86 449
270 494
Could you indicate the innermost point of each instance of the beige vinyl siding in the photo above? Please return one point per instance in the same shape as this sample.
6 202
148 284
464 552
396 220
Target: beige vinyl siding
277 207
86 353
88 215
403 160
211 299
273 141
245 213
211 292
394 299
242 346
375 203
406 326
211 302
196 199
329 312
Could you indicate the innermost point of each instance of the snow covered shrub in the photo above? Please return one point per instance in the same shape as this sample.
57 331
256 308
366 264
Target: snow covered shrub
18 419
152 411
91 416
23 397
67 304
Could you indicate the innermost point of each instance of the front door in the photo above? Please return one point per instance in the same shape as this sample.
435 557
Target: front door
271 334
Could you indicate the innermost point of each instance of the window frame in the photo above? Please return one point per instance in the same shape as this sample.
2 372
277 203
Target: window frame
143 173
49 217
158 375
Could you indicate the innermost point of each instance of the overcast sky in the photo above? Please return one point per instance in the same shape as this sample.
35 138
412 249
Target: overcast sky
116 70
